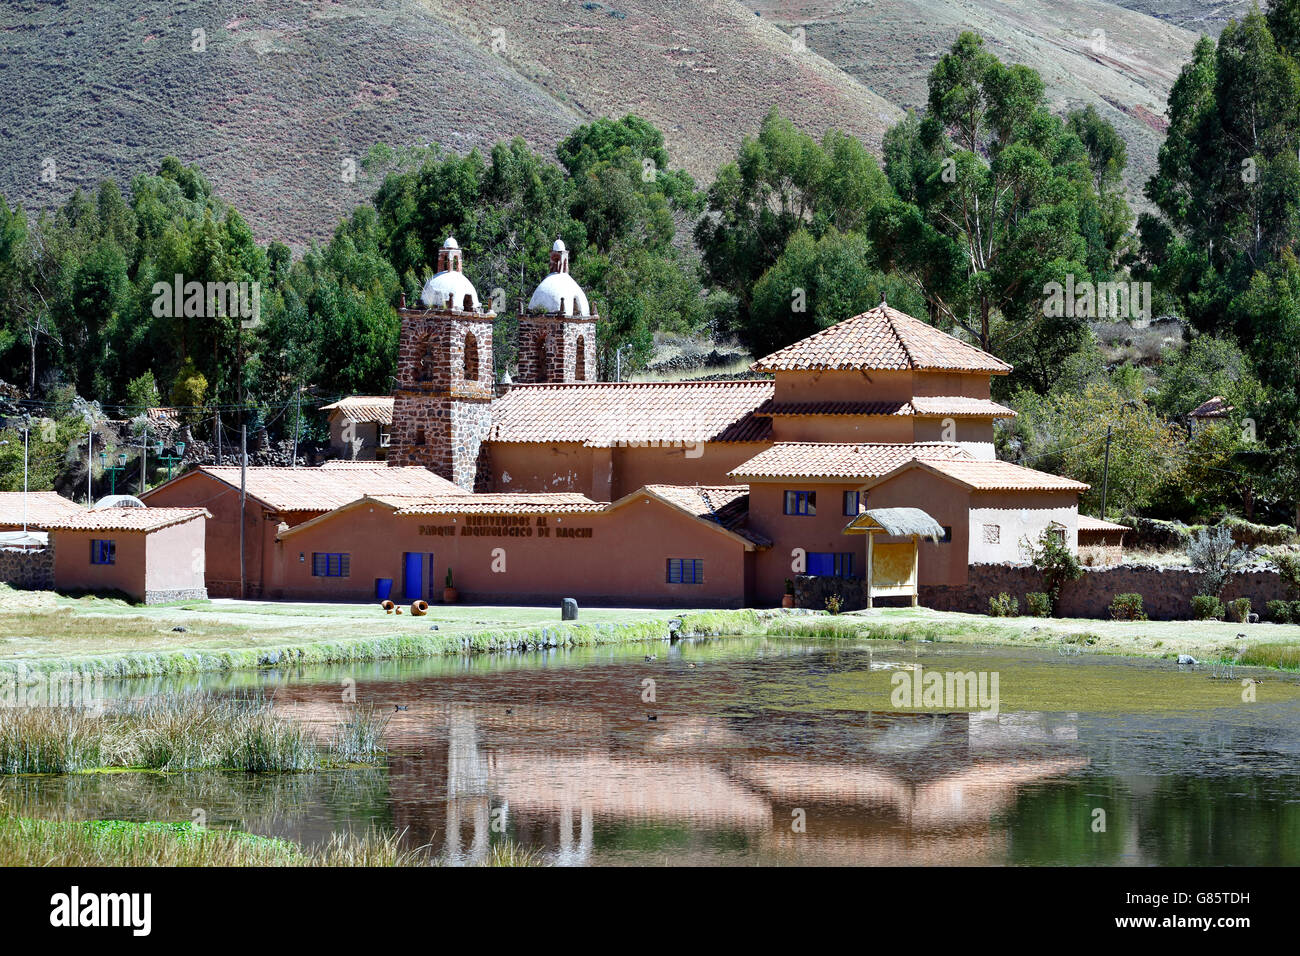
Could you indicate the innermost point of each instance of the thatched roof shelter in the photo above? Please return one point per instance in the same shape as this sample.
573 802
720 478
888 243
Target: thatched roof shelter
897 522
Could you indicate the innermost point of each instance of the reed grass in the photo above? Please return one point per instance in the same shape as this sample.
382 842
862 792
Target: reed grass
25 841
179 732
1284 657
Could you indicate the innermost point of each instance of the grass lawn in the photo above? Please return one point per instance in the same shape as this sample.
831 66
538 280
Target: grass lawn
50 632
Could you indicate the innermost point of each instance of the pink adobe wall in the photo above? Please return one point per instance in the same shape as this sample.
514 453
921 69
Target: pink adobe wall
951 383
73 570
843 386
890 429
221 537
622 562
607 474
174 558
820 532
947 503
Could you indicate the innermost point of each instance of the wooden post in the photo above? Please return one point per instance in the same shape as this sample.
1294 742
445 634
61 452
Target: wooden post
916 563
871 571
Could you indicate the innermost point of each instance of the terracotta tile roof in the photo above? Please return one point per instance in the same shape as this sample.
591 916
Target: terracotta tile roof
956 406
126 519
959 406
1089 523
323 489
795 459
522 503
724 505
612 414
42 507
1216 407
364 409
984 475
882 339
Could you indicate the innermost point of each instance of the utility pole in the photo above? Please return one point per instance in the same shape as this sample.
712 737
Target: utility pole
144 454
297 425
243 497
90 463
216 427
1105 474
27 428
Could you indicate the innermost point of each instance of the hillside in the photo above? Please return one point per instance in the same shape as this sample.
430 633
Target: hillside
892 45
286 90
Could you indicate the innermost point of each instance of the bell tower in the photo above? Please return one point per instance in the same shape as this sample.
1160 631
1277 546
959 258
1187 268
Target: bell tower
557 332
442 400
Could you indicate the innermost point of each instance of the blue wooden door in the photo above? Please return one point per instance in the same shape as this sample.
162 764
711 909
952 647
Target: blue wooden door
413 576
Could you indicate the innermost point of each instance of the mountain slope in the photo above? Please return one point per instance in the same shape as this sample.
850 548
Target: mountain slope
891 45
285 91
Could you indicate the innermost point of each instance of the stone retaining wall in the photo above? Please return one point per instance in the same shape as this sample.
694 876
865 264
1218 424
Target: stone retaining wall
31 569
1166 592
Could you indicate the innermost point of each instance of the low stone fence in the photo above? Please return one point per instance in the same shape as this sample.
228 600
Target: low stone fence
31 569
1166 592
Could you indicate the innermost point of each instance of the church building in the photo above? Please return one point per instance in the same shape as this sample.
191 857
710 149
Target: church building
694 493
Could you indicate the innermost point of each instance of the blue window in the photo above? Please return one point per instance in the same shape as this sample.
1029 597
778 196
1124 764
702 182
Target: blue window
801 502
103 552
327 565
947 535
853 503
830 564
685 570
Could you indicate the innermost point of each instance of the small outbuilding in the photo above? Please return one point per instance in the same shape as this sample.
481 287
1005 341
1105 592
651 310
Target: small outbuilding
1101 542
892 565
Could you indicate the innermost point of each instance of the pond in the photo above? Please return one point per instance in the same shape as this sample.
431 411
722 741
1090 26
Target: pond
765 751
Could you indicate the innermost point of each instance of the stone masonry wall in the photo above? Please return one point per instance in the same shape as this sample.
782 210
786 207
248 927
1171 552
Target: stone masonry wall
548 349
1166 592
28 569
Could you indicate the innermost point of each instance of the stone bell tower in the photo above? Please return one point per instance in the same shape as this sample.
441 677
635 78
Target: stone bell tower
557 332
442 401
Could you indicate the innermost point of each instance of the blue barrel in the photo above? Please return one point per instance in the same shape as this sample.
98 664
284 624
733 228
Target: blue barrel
383 588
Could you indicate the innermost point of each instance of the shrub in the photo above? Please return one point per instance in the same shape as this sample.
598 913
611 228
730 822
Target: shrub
1213 552
1288 568
1239 610
1004 605
1207 607
833 604
1038 604
1279 611
1054 560
1295 612
1127 607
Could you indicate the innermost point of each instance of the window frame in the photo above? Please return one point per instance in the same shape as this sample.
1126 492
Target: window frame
857 504
98 551
339 561
695 566
805 500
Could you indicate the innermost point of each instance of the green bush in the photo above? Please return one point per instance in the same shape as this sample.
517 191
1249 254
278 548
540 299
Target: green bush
1127 607
1038 604
1239 610
1004 605
1206 607
1279 611
1295 612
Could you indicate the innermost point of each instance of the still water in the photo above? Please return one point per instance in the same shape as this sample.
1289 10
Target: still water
764 752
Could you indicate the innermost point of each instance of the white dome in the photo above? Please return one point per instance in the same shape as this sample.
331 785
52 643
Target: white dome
451 243
559 246
555 287
454 284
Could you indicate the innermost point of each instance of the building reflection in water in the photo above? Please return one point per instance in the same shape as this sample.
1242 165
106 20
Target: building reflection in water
873 788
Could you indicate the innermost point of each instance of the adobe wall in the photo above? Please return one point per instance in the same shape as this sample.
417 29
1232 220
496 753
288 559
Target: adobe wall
823 531
1166 592
174 561
607 474
31 569
617 558
74 572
